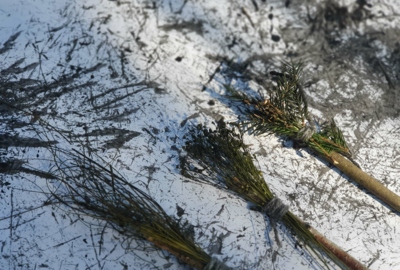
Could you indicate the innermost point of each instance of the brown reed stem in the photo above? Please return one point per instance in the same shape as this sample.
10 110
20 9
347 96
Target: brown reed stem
364 180
342 255
191 262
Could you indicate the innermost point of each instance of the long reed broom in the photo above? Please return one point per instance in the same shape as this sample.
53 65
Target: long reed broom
87 187
220 157
285 113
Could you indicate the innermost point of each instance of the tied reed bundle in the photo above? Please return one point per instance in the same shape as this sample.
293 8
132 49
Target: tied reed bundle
100 192
219 157
285 113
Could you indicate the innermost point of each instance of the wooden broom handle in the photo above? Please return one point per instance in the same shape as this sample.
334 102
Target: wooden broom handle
365 180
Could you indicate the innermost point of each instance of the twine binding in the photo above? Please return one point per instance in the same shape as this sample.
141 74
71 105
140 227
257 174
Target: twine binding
305 133
275 209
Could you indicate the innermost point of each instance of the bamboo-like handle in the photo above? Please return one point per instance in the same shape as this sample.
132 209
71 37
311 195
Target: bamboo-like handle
342 255
365 180
349 261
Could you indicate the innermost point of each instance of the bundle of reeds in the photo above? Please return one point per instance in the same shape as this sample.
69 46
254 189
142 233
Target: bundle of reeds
88 187
219 157
285 113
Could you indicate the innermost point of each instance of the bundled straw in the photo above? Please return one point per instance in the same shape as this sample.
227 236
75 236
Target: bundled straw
88 187
285 113
220 157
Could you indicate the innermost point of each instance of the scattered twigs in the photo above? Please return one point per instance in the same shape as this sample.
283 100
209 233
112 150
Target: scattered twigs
88 187
220 157
285 113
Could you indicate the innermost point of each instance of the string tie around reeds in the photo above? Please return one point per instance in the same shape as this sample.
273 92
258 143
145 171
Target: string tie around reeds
99 191
219 157
305 133
285 113
275 209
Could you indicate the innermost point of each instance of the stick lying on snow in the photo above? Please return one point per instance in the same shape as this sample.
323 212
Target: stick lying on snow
220 157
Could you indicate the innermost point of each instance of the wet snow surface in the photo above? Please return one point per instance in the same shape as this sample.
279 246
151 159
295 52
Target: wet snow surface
126 79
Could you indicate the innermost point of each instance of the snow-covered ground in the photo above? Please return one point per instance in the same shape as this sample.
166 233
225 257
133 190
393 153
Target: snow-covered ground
126 79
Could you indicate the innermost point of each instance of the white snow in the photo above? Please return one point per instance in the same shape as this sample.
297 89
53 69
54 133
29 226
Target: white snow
34 236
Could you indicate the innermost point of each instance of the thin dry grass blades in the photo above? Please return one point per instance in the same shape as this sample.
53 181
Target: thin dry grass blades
220 157
88 187
285 113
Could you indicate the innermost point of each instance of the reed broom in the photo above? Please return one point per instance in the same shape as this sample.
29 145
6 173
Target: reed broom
86 186
285 113
219 157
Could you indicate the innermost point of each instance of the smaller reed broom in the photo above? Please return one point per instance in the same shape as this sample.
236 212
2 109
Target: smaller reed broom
89 188
219 157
